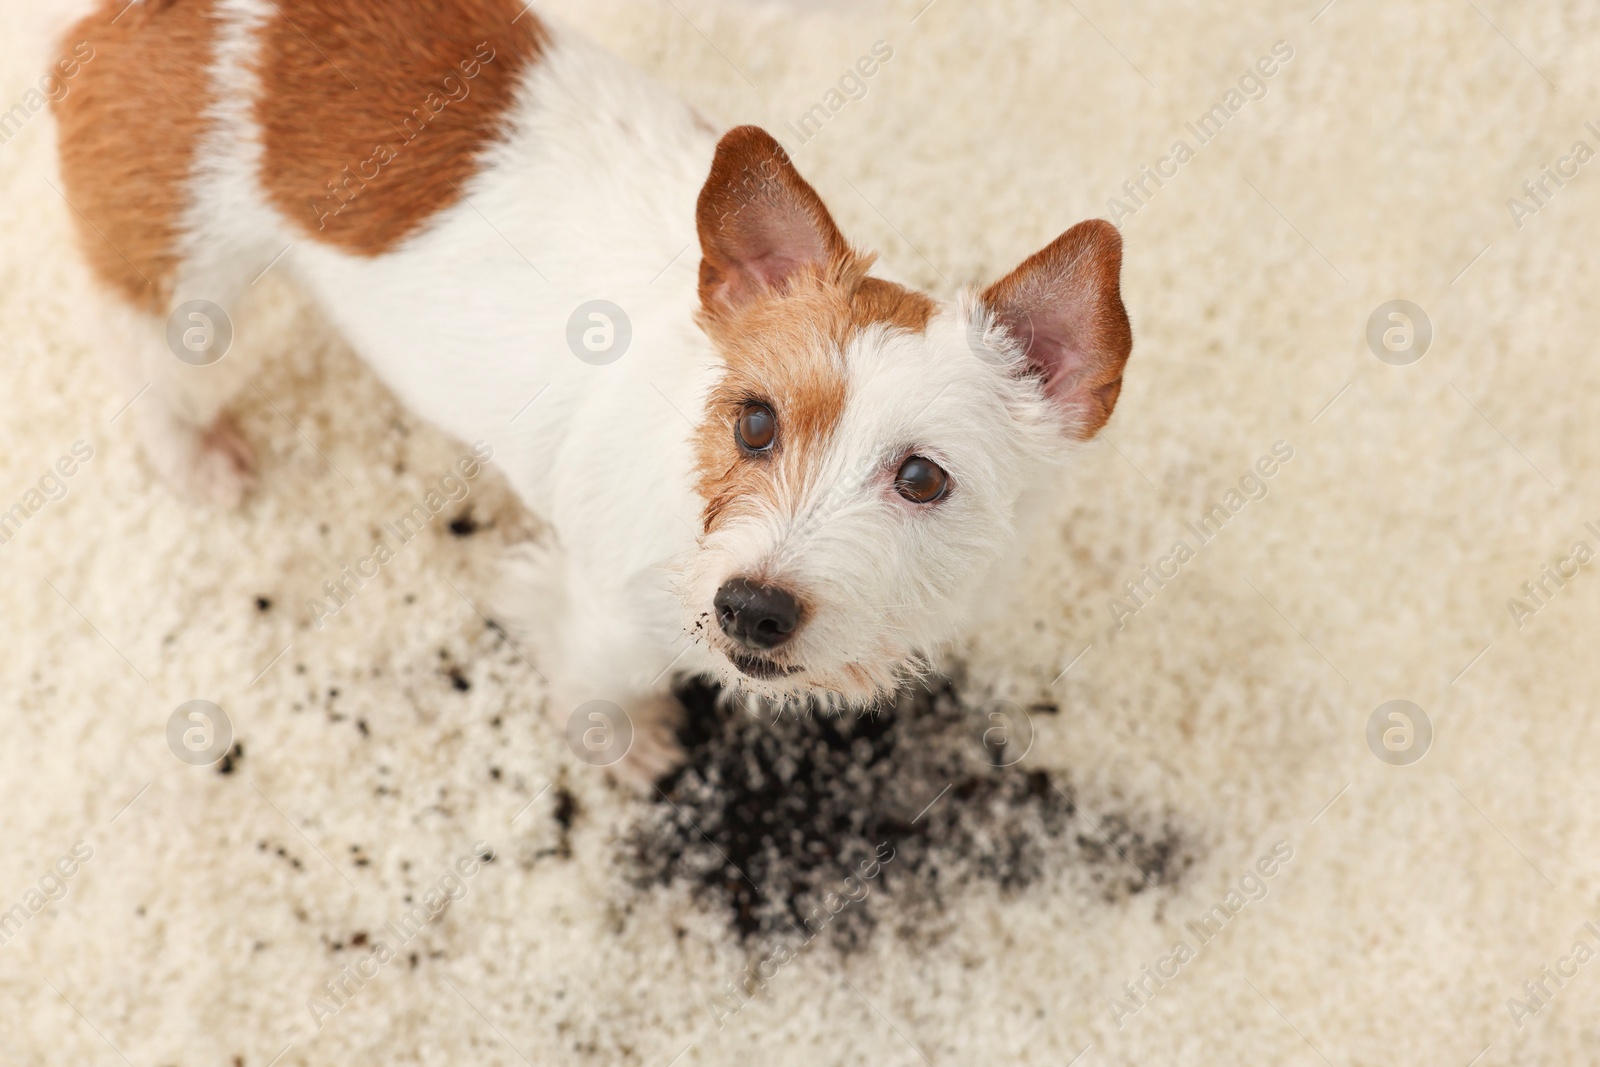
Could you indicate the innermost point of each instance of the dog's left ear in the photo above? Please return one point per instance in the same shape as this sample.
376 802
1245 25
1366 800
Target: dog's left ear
1064 306
760 223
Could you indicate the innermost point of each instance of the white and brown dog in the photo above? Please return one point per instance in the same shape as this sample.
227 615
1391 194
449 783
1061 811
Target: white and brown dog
796 477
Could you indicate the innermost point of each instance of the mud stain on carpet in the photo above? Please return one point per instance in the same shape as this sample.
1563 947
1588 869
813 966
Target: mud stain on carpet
828 825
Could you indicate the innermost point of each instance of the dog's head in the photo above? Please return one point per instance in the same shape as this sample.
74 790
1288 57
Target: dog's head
862 453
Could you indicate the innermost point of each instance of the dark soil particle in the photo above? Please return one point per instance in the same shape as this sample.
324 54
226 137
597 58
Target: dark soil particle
566 808
770 816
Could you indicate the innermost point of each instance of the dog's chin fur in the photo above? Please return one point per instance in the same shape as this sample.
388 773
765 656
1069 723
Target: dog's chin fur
760 667
782 680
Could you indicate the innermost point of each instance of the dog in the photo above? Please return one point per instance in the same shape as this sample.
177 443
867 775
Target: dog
772 467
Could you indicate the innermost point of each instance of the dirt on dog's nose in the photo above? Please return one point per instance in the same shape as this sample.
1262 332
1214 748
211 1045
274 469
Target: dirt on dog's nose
755 615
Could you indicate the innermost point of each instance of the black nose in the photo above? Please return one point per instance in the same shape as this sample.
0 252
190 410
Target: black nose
755 615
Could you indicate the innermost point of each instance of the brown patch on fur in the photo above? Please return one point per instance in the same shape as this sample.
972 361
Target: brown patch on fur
782 295
129 125
373 115
878 302
1064 304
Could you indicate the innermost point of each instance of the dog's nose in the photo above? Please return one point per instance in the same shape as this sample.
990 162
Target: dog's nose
755 615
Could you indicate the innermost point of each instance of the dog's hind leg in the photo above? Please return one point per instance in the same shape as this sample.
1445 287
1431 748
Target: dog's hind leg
149 134
179 382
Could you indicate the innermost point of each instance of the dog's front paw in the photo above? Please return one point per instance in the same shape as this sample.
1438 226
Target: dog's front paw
212 464
635 744
655 750
225 469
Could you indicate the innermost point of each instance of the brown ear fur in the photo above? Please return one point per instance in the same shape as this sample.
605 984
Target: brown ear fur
1064 305
761 225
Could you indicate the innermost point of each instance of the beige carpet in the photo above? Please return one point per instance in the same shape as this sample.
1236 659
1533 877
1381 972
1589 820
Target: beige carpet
1231 708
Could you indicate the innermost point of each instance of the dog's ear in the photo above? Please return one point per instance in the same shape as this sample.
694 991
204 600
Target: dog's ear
760 224
1064 306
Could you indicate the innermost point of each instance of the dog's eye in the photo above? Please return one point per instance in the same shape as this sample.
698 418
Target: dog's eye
921 481
757 427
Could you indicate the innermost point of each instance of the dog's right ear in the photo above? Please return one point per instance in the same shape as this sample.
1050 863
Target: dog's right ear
760 223
1063 306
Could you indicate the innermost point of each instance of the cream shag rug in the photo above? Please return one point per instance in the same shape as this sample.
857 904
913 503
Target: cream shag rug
1108 897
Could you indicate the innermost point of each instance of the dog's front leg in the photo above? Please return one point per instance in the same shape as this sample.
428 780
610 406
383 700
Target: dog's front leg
616 704
610 650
